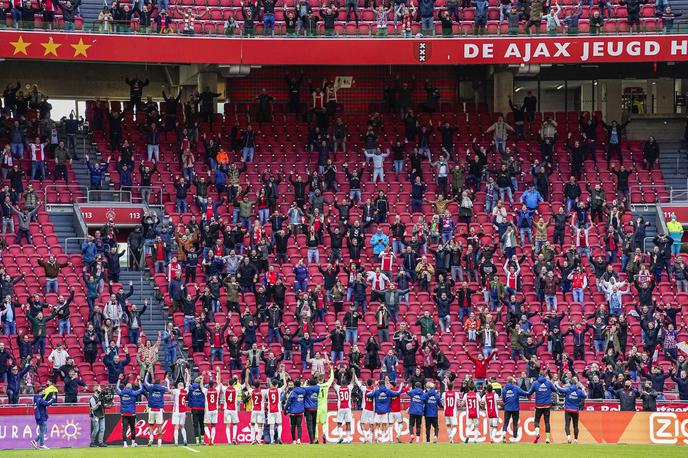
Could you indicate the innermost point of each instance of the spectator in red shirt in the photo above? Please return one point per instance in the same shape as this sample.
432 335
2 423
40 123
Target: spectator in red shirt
480 369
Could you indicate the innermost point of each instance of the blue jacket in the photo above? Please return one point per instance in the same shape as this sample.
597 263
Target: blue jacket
531 197
125 176
431 401
89 252
40 407
379 242
13 380
416 405
573 396
127 399
96 172
220 177
114 369
71 386
426 8
155 395
296 401
525 218
359 291
543 389
177 289
480 8
383 397
307 345
311 397
511 397
301 273
196 397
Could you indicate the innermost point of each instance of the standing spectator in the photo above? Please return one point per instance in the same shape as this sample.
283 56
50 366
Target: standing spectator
500 131
136 86
650 152
426 12
97 172
264 111
115 365
52 270
614 134
207 102
24 219
58 358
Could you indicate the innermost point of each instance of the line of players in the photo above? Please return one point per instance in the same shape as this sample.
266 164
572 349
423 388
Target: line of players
381 416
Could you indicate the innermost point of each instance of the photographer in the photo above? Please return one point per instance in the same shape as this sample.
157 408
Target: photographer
97 414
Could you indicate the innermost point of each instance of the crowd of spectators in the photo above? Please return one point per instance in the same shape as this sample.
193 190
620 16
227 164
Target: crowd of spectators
238 264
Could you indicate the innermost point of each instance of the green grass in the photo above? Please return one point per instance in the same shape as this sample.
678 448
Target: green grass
361 450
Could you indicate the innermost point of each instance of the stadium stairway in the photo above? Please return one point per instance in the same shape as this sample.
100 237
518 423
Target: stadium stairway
89 11
662 127
63 224
649 214
155 317
673 159
83 146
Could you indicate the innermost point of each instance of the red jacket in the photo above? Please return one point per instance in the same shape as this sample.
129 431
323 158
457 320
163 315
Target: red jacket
480 370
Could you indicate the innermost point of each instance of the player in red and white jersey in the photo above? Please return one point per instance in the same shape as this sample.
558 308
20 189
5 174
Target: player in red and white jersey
450 401
212 400
258 398
471 400
368 414
490 401
396 420
179 409
274 404
344 416
230 397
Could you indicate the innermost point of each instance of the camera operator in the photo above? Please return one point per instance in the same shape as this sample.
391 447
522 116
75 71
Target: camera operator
97 414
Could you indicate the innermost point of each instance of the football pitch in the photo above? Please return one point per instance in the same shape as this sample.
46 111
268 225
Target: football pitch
367 450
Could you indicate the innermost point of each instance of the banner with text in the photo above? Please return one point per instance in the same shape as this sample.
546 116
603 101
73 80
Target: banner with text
515 50
64 431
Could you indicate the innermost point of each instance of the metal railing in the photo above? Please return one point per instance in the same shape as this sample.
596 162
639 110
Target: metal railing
205 26
71 188
102 195
96 195
74 240
141 258
678 195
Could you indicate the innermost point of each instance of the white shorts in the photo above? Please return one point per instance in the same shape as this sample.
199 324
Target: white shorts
231 416
367 417
274 418
395 417
473 422
210 417
494 422
179 418
382 418
451 421
258 417
344 416
155 417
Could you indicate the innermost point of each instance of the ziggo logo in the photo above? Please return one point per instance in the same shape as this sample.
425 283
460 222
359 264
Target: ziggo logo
668 428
